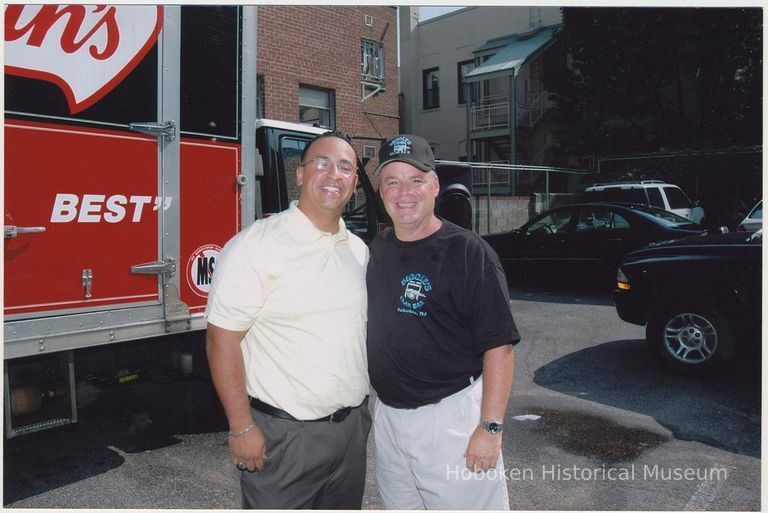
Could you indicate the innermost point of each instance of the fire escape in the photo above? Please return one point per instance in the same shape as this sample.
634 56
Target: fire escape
508 102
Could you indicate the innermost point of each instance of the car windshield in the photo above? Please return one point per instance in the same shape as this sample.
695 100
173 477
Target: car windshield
666 217
550 222
757 212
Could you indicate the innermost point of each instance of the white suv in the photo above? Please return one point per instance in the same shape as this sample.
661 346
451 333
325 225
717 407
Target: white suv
645 192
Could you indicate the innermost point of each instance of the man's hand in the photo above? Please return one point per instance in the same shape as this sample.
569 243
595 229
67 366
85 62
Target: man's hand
483 450
250 448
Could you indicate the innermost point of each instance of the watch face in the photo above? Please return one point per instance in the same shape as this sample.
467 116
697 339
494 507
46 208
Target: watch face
494 427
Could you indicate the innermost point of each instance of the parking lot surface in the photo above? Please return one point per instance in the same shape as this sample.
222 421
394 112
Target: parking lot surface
592 424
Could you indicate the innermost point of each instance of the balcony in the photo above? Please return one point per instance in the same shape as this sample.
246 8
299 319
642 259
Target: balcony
489 113
492 112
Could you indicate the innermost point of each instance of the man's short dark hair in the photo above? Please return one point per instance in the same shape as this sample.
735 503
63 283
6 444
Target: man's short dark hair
332 133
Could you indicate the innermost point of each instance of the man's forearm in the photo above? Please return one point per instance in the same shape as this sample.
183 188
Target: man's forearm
498 371
225 360
484 448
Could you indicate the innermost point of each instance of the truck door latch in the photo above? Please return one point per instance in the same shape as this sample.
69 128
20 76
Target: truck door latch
168 266
87 280
11 231
166 129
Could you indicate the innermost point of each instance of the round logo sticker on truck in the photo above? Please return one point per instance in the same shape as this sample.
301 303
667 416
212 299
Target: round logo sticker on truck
200 268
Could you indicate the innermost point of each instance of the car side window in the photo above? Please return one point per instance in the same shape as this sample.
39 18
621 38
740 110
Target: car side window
677 198
552 222
589 220
654 195
618 222
626 195
600 220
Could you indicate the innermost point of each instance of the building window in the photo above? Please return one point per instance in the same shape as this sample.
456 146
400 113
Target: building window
463 68
316 107
371 61
430 80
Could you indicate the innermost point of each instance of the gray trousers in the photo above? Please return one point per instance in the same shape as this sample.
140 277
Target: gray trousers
310 465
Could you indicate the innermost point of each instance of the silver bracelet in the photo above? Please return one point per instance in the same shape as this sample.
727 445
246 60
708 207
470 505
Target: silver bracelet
244 431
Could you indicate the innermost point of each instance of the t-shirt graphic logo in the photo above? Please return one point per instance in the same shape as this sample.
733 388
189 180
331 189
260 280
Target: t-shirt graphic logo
416 287
413 291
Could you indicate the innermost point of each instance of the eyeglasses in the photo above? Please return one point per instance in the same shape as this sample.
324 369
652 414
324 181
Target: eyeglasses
324 164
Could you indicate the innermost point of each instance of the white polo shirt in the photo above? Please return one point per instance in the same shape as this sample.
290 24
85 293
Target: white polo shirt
300 294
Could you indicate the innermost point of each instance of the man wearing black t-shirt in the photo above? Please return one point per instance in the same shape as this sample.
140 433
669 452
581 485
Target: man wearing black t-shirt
440 347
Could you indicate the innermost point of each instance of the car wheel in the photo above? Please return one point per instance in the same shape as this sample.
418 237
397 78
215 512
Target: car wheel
692 340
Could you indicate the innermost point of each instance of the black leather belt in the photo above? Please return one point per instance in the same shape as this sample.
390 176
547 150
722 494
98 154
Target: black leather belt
337 416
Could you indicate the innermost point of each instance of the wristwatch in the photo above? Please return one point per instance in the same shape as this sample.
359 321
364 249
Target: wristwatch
492 426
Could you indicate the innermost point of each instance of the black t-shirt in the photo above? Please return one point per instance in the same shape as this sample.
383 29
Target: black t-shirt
434 307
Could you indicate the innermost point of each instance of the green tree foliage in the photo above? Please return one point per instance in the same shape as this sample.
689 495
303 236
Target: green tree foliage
643 80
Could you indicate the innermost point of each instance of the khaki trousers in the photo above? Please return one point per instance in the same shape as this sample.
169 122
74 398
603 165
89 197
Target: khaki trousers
420 460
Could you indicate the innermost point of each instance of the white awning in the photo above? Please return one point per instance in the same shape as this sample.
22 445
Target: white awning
510 58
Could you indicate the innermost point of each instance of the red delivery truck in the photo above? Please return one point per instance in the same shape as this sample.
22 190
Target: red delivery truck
133 152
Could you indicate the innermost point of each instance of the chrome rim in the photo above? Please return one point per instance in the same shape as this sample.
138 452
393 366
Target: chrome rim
690 338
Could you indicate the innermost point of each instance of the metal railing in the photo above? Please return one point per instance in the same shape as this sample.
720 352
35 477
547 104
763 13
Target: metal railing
544 156
489 113
492 112
503 170
530 112
500 176
495 172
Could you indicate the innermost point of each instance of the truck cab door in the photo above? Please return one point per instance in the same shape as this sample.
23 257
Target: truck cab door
281 148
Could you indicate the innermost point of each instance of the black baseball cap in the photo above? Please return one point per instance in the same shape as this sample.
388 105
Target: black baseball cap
407 148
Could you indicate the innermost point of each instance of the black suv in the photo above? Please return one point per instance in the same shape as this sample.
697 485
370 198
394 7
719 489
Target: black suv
699 297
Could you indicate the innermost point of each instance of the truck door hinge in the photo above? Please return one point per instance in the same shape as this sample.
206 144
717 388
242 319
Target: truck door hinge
166 129
168 266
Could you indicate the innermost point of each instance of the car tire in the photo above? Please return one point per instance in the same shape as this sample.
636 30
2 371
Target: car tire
691 340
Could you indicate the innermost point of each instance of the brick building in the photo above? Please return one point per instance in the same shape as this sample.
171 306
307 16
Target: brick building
335 66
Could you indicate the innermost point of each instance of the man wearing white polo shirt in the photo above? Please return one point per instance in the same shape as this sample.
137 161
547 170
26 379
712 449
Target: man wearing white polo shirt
286 343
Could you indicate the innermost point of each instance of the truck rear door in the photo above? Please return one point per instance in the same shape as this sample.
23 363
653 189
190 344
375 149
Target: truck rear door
83 198
91 99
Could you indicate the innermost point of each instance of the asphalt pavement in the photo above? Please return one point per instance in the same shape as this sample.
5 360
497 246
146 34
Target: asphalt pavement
592 424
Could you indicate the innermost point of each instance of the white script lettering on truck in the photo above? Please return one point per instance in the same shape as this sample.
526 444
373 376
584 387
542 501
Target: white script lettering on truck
81 37
95 207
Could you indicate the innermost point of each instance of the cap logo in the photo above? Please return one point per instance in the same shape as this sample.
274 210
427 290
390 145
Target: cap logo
408 148
401 145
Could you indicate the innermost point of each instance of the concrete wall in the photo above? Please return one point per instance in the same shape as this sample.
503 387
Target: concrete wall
510 212
507 213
